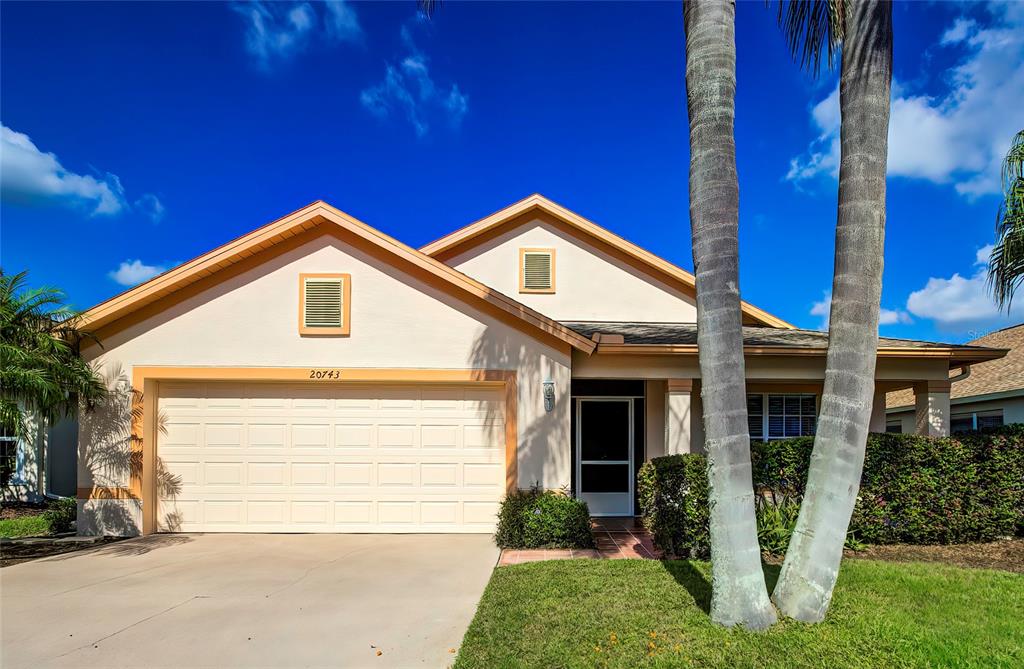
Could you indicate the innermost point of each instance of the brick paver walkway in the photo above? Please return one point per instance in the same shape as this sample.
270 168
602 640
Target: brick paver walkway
616 539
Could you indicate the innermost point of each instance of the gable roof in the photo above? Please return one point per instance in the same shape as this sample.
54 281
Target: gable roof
1005 375
308 218
464 238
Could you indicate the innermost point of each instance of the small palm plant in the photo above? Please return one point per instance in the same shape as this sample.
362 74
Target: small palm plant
1006 264
42 376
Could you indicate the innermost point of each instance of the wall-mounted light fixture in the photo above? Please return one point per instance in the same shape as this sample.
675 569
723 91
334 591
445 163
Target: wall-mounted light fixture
549 395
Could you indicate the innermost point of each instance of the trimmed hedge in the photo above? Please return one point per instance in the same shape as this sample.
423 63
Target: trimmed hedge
914 489
673 492
543 519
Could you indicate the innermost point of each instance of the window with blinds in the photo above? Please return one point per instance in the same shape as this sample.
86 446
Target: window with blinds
537 270
771 416
324 304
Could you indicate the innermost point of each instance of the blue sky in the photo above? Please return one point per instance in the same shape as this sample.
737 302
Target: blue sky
136 136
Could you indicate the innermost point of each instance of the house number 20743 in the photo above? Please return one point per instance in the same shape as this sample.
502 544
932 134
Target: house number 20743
325 373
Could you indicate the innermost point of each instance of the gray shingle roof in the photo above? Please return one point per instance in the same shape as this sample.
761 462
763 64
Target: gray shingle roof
686 334
995 376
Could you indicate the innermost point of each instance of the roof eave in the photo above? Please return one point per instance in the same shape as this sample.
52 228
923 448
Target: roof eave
288 226
956 357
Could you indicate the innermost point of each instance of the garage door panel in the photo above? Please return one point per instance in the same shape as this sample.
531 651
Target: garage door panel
304 458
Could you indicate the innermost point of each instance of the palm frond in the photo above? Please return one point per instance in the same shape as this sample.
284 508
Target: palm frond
428 7
1006 264
812 28
42 375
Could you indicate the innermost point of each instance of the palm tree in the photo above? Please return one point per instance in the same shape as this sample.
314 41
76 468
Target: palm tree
42 376
1006 264
739 595
804 588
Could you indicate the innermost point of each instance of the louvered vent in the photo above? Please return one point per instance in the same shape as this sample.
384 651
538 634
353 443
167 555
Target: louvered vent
536 270
323 303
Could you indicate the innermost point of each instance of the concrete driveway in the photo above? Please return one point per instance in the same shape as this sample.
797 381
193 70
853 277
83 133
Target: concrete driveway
247 600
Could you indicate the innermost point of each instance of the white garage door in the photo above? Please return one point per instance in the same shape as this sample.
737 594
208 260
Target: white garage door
330 458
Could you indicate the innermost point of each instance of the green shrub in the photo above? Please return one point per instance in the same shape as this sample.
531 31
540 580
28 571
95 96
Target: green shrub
969 487
776 520
543 519
61 514
512 516
914 489
673 493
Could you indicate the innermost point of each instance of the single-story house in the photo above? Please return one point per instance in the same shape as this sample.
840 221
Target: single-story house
988 395
317 375
32 470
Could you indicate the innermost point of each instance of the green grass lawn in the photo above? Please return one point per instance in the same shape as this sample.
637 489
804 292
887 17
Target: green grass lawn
630 613
24 526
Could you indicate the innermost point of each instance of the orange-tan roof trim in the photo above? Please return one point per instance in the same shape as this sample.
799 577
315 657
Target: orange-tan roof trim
446 246
293 224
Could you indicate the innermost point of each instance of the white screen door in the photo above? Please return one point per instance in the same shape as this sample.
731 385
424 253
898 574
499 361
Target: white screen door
604 455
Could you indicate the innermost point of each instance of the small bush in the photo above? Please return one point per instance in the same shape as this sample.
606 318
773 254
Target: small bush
61 514
543 519
673 495
776 520
914 489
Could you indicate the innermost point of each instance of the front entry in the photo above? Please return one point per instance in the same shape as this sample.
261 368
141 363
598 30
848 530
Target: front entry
604 454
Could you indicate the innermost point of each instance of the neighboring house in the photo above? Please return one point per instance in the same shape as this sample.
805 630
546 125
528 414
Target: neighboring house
21 477
989 395
317 375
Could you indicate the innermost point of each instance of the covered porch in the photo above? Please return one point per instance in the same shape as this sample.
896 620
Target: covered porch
638 397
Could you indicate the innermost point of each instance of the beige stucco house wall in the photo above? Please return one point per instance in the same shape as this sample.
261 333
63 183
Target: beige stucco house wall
250 320
591 284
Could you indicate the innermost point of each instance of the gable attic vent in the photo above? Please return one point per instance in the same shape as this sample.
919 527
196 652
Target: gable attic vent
538 270
325 304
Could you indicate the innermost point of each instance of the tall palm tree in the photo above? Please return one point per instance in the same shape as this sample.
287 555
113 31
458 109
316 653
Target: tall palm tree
739 595
1006 264
42 377
804 588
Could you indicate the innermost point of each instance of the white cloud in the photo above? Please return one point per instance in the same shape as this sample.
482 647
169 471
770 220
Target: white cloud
151 206
959 31
823 308
983 254
30 176
409 90
958 138
959 303
893 316
276 32
342 22
132 272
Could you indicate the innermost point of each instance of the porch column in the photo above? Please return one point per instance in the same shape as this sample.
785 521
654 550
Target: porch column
678 405
877 423
932 408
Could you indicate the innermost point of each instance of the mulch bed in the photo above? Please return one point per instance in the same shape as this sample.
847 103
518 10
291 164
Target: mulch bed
11 510
1007 554
22 551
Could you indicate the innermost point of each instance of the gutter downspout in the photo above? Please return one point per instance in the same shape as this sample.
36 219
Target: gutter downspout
965 371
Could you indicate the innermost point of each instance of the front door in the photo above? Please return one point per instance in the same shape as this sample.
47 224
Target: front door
604 455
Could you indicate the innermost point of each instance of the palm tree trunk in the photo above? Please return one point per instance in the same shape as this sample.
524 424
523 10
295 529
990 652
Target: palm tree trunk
809 573
739 595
